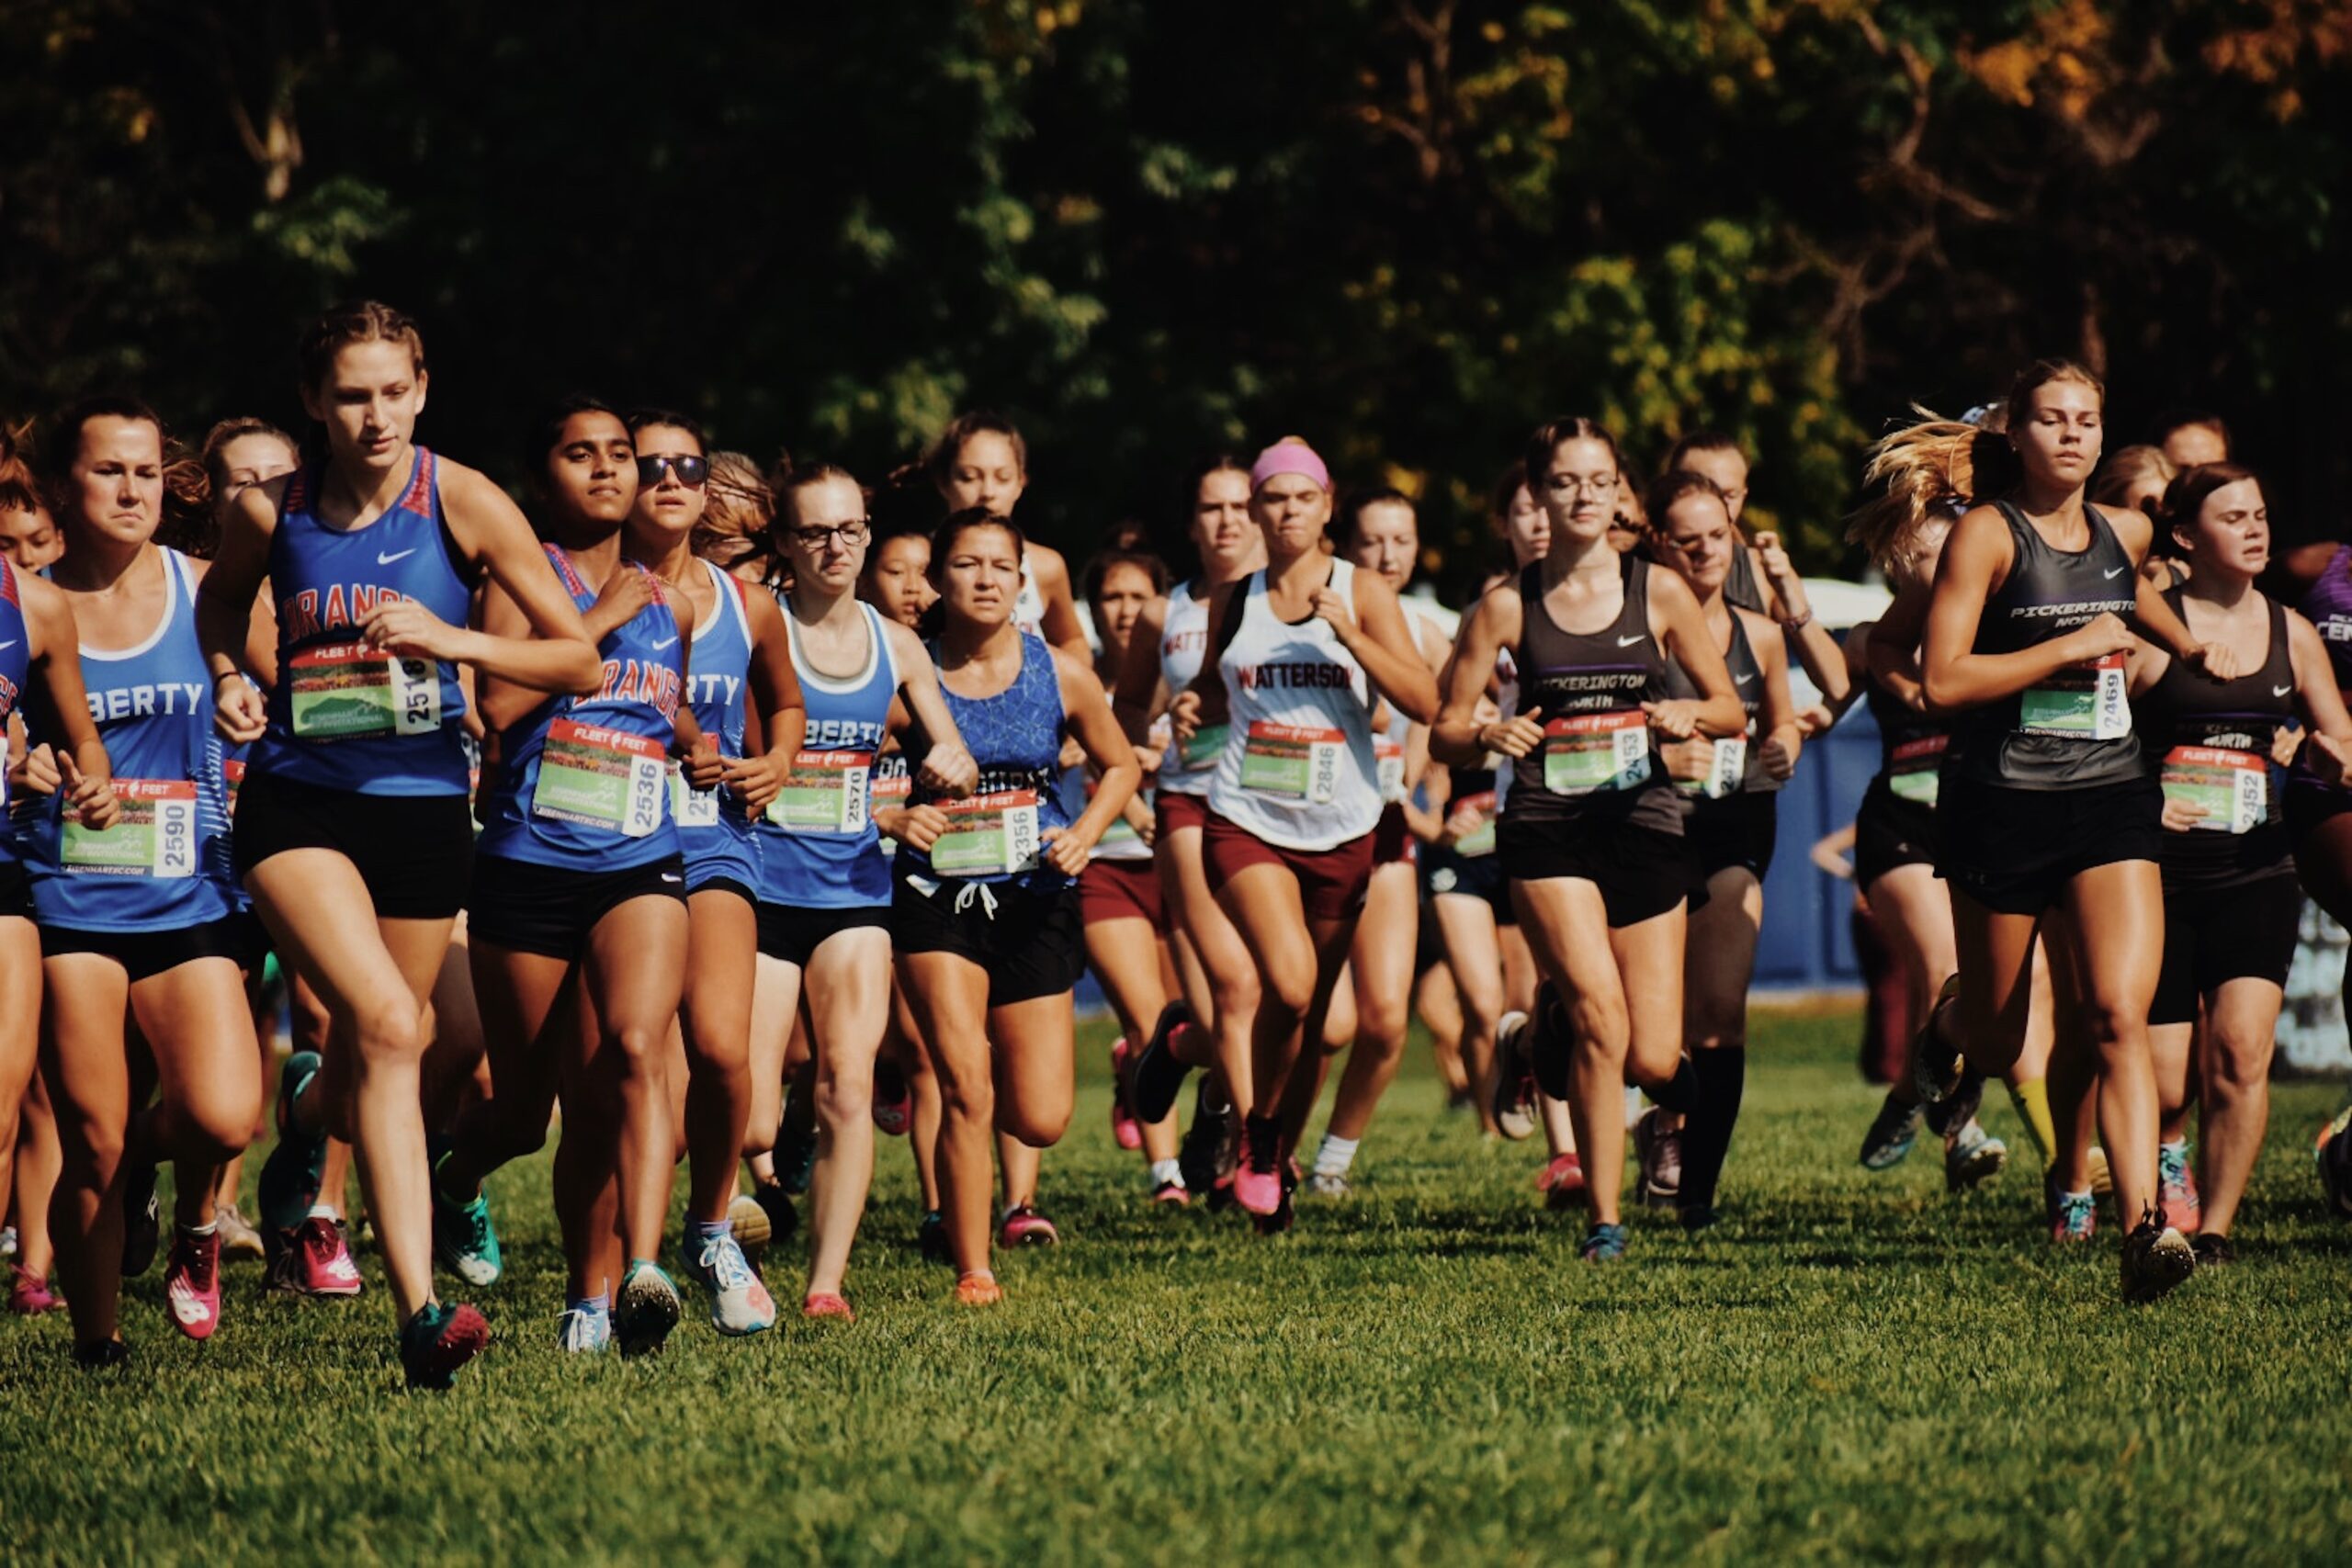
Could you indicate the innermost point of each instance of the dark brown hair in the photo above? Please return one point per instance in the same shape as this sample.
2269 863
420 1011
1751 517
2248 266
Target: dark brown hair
360 320
940 461
217 439
2185 501
952 527
1548 439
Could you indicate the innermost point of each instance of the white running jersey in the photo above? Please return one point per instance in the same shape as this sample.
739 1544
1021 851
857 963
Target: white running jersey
1183 643
1029 605
1297 769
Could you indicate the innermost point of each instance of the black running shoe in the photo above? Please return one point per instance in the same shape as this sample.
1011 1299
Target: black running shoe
931 1238
1207 1152
783 1218
1513 1104
100 1355
796 1160
1158 1076
2213 1248
2155 1258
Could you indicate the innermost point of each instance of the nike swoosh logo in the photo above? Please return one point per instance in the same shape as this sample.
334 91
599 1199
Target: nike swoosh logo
384 559
9 644
1746 680
667 878
2117 572
2275 691
1630 641
665 642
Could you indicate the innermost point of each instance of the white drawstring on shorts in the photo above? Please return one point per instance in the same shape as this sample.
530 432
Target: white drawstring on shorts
987 898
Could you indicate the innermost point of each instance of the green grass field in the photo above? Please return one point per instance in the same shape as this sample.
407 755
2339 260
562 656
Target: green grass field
1851 1367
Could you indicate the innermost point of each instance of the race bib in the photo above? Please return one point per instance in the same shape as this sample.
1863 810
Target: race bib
891 786
154 835
1595 752
1916 771
987 835
826 792
2085 702
1205 748
1292 763
1726 767
347 689
690 807
601 778
1480 840
2233 786
1388 763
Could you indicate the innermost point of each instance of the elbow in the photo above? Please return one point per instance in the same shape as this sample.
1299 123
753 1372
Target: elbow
584 673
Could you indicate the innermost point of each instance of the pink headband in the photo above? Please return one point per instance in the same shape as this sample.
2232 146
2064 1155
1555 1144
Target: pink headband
1288 457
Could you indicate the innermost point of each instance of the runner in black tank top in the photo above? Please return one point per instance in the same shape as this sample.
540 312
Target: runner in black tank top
1592 832
1730 787
2042 802
2232 903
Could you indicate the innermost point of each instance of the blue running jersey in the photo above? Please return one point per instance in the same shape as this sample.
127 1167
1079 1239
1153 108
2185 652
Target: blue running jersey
1017 737
344 715
164 866
712 825
583 783
817 839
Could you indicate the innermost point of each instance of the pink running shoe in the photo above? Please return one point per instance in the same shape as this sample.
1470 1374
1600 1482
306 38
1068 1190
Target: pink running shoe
317 1262
1562 1181
894 1101
1123 1125
1024 1226
30 1295
1257 1179
192 1283
826 1304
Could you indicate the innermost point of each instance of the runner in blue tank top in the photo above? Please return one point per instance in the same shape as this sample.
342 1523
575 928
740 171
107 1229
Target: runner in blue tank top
139 915
39 642
984 908
359 868
747 703
825 894
580 882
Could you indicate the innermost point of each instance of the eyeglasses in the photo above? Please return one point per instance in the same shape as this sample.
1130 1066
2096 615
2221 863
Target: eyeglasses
1569 484
853 532
691 471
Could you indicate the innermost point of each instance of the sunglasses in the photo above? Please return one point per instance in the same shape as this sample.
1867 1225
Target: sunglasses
691 471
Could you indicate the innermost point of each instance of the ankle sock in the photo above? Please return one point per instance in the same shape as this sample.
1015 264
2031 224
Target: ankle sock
1167 1170
326 1211
709 1230
1335 1156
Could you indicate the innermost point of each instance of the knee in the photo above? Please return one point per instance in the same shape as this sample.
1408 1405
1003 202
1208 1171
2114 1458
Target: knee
2112 1026
214 1131
844 1094
2240 1062
1236 996
638 1052
1602 1025
1381 1027
1287 992
1040 1127
388 1031
92 1148
717 1051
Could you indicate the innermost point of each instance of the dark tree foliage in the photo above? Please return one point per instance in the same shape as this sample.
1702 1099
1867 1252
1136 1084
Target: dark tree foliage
1405 229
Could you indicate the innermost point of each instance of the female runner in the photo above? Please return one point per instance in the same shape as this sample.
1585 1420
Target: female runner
1592 831
352 829
1217 976
577 914
824 895
2044 802
138 923
97 1157
1299 653
984 911
2232 903
742 668
1733 785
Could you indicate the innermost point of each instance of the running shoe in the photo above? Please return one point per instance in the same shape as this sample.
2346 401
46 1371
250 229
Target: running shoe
1514 1098
1973 1158
2074 1216
2331 1153
1158 1075
1174 1193
1284 1216
1697 1217
1935 1065
1960 1107
289 1177
1207 1151
464 1240
439 1341
645 1310
30 1295
1023 1227
977 1290
2177 1204
192 1283
101 1355
1257 1179
750 1225
1323 1184
579 1332
1547 1042
2213 1248
1893 1132
740 1304
825 1304
2155 1258
142 1220
783 1218
1562 1181
1126 1131
1659 1150
1603 1244
238 1237
1221 1195
316 1261
894 1101
796 1159
931 1238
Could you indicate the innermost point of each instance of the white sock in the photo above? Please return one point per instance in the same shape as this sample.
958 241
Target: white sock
1336 1155
2174 1145
200 1230
326 1211
1165 1170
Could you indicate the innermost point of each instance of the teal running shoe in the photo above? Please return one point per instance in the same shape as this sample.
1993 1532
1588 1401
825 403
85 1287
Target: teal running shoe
289 1177
2074 1216
646 1311
439 1341
580 1331
1603 1244
465 1242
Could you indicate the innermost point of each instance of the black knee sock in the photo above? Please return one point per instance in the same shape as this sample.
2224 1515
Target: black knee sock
1722 1076
1680 1093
